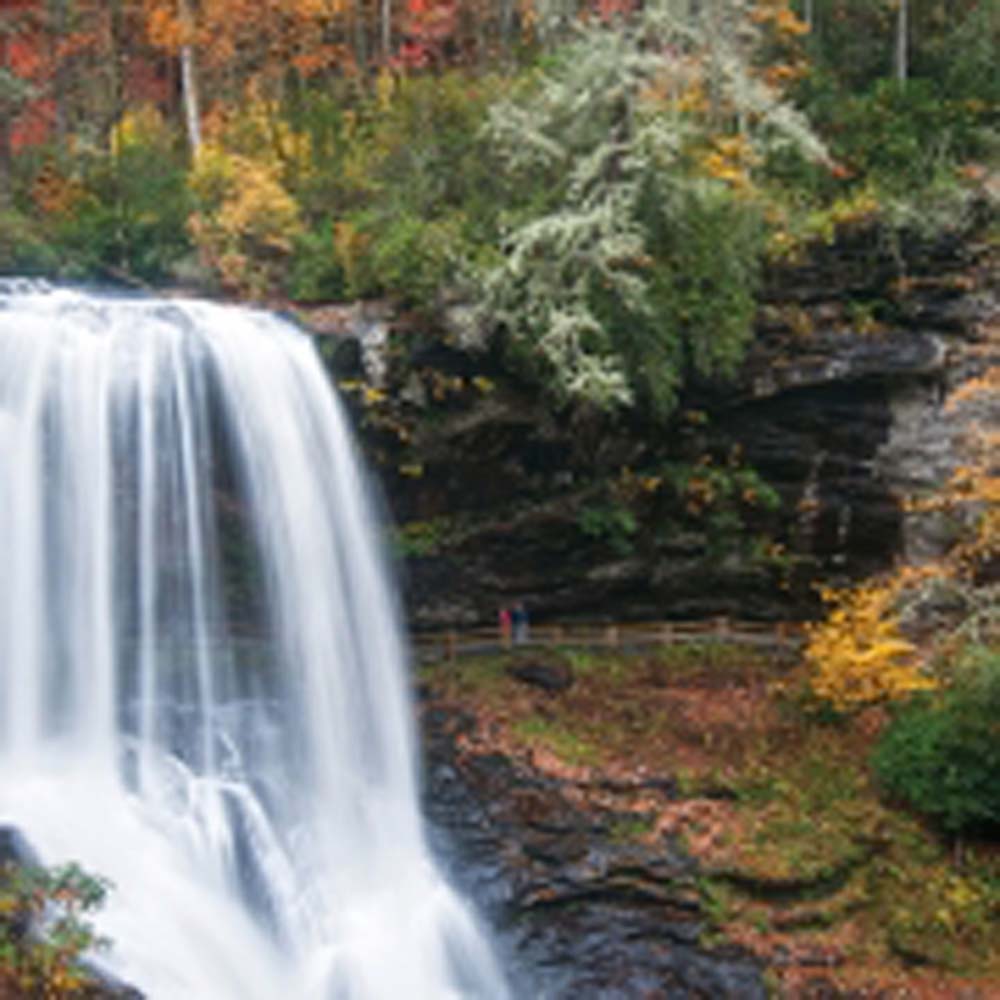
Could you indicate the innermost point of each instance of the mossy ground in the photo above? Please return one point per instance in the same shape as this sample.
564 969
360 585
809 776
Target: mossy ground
802 860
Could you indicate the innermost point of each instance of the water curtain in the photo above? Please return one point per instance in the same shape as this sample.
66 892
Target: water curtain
202 680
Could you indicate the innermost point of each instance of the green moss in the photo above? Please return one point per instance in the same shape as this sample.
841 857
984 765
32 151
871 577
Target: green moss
562 739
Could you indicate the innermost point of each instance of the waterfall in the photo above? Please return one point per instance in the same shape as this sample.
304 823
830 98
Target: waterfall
167 469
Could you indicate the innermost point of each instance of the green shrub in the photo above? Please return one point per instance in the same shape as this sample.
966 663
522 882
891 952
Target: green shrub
941 753
130 216
315 273
614 524
23 250
407 181
400 254
51 901
905 136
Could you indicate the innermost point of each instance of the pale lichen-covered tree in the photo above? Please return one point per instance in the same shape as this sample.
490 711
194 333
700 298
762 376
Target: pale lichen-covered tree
630 262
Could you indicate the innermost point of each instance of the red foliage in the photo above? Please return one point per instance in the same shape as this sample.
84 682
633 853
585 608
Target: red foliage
24 55
32 51
611 10
428 26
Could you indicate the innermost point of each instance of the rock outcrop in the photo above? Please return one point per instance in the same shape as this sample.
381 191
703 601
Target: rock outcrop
795 472
580 910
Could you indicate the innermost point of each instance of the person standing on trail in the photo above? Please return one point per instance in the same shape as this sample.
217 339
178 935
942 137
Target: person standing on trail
505 626
519 619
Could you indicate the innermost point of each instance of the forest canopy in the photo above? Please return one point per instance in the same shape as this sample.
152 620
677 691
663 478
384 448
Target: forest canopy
569 168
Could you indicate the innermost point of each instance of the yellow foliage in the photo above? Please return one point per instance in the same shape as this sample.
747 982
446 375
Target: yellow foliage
351 247
694 99
246 221
140 126
729 159
782 74
257 130
385 89
857 655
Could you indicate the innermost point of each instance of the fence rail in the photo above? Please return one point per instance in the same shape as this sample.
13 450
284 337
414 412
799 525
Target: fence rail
452 644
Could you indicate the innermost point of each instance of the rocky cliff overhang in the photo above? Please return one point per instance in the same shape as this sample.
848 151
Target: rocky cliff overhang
839 407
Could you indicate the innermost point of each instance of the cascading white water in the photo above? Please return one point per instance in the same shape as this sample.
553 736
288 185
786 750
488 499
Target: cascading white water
254 803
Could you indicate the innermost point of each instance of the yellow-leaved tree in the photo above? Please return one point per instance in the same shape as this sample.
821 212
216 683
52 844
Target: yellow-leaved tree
245 223
858 655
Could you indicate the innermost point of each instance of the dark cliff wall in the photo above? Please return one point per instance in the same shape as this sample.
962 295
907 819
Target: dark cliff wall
792 474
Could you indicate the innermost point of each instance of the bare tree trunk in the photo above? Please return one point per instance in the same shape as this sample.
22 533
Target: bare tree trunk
189 89
189 80
6 144
902 32
506 26
385 15
360 37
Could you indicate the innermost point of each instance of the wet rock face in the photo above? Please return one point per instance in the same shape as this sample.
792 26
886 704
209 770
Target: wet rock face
817 448
579 910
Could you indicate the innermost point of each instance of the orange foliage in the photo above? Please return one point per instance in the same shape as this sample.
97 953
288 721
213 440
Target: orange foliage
53 193
249 38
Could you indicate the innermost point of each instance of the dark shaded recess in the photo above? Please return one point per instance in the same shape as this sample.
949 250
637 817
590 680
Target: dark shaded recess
830 434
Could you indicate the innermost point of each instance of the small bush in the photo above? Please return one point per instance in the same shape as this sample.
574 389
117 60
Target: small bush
857 655
315 273
43 931
905 136
22 249
124 215
941 754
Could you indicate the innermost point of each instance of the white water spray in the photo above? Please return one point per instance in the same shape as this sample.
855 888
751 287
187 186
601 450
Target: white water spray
254 803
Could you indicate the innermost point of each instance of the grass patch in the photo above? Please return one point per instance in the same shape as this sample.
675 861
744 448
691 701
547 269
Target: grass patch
564 741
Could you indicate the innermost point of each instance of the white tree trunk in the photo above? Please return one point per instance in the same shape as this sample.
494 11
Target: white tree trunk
386 16
902 32
189 81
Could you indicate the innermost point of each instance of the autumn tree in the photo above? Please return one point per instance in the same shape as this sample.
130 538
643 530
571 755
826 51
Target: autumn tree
636 154
14 92
239 46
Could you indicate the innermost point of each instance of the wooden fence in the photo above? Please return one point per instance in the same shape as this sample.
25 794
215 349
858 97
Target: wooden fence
633 635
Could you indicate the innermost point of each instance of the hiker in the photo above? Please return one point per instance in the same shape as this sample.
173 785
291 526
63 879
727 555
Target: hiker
505 626
519 620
